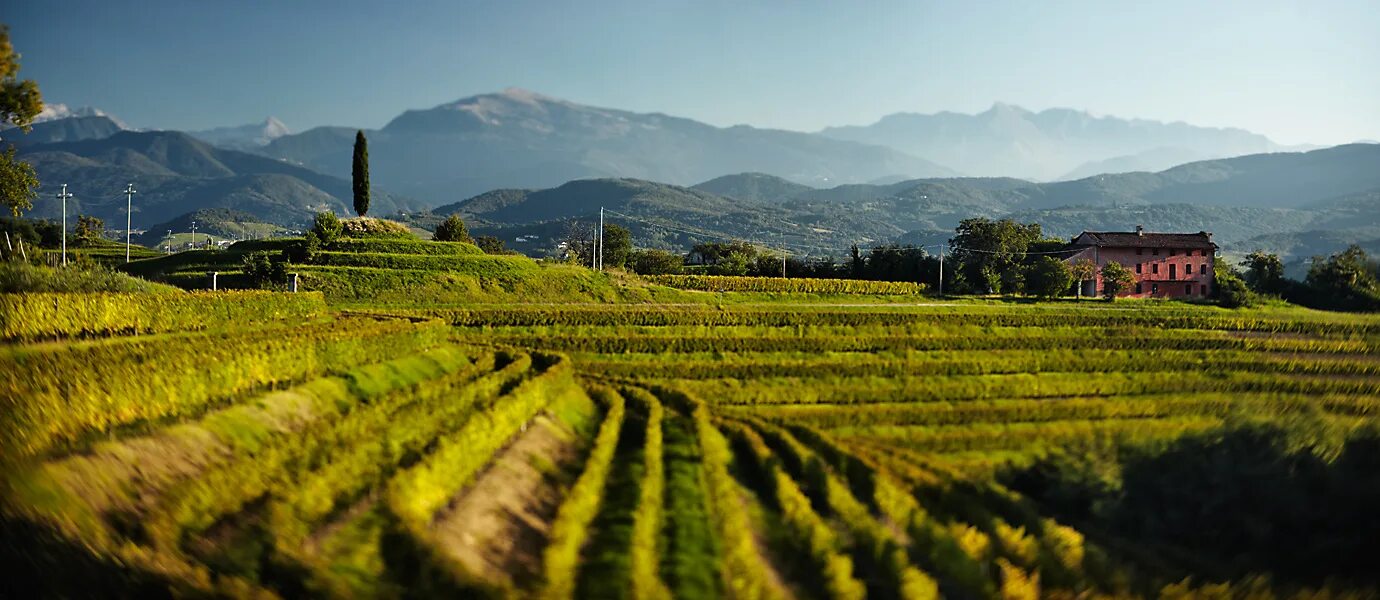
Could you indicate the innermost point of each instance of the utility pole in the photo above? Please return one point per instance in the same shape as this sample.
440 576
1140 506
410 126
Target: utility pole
194 235
783 267
601 238
129 204
63 195
941 269
169 241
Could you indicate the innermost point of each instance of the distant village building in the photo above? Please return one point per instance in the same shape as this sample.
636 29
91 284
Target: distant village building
1165 265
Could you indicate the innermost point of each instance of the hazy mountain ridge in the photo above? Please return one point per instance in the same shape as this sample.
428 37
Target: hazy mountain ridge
244 137
1007 140
175 173
522 139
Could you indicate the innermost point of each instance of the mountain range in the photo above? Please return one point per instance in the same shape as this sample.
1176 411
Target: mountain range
519 161
176 173
1054 144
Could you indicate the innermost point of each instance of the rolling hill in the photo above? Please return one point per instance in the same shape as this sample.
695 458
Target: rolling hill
176 174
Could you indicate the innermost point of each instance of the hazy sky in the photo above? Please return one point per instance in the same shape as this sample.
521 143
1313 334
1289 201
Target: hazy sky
1297 71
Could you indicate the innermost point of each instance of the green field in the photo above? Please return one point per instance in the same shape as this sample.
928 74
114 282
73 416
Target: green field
431 421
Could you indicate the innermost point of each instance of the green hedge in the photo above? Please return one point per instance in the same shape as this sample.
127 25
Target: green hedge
36 316
478 266
404 246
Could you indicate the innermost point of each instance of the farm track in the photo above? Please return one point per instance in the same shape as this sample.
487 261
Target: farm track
845 450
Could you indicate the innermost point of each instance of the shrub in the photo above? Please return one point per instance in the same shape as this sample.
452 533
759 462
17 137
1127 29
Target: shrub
1232 292
1048 277
263 271
327 227
656 262
490 245
1115 279
364 227
90 230
452 230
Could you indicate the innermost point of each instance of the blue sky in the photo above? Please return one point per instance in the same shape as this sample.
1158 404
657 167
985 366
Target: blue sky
1296 71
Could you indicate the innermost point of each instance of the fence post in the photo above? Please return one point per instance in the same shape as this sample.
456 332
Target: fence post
294 283
214 276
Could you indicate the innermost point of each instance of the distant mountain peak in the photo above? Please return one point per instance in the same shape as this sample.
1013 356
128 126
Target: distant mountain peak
243 137
57 111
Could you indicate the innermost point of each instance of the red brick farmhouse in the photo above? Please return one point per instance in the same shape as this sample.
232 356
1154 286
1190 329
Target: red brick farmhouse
1165 265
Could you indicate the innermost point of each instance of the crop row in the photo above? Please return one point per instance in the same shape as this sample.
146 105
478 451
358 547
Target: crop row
37 316
162 488
609 343
981 316
404 246
867 390
61 394
414 496
571 528
774 285
984 363
835 417
476 265
988 437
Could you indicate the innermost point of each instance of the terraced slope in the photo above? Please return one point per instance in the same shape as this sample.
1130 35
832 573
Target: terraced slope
273 447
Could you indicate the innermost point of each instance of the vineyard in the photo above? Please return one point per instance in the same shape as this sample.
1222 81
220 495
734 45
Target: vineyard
267 444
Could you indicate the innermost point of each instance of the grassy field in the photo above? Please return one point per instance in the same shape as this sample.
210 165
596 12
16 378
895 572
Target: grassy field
436 422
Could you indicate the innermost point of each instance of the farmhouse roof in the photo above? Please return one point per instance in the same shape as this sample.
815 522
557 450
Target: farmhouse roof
1143 239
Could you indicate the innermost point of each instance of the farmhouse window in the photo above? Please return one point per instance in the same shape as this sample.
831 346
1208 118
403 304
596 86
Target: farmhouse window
1138 266
1171 251
1202 269
1188 290
1139 250
1155 268
1173 271
1155 251
1139 289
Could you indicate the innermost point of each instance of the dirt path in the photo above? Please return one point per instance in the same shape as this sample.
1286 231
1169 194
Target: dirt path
499 526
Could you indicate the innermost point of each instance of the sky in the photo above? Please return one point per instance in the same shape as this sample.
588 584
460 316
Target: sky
1296 71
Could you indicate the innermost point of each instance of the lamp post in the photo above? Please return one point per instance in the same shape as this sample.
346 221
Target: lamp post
63 195
129 203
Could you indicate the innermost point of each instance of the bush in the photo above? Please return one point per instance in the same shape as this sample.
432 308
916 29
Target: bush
491 245
1115 279
656 262
327 227
1232 292
263 271
366 227
452 230
1048 277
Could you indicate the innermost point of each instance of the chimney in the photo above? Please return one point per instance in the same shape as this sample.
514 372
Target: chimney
1140 230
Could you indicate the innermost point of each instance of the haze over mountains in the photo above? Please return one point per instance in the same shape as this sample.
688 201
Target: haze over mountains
504 159
1054 144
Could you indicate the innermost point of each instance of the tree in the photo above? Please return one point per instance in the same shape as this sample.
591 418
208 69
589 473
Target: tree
360 172
263 271
452 230
734 264
89 230
655 262
20 102
1048 277
617 245
490 244
1345 280
1227 286
1083 270
327 227
1264 272
1115 279
857 267
989 252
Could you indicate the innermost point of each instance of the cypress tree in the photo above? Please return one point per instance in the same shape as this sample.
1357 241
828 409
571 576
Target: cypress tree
361 174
